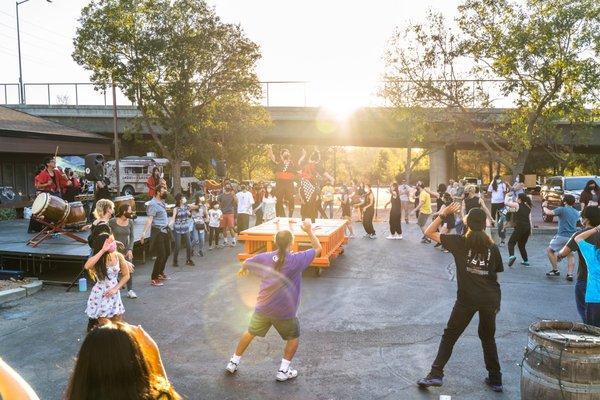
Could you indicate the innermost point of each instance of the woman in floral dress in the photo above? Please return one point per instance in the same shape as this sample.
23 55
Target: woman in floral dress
105 303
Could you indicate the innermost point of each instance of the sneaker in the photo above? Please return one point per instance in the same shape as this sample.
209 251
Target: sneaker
233 243
201 253
190 263
425 241
210 248
399 237
131 294
525 263
156 282
430 381
283 376
570 277
366 236
502 243
437 245
163 277
231 366
351 236
496 387
391 237
220 246
373 236
553 272
511 260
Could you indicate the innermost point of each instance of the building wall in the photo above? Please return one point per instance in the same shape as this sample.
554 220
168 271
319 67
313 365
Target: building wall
18 171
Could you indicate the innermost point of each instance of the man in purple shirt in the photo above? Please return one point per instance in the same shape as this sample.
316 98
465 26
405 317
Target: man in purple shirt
279 296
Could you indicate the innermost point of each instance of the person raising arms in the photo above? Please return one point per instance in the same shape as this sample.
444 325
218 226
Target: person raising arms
478 262
279 296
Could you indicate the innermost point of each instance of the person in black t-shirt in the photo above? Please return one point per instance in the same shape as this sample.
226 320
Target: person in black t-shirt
591 219
478 261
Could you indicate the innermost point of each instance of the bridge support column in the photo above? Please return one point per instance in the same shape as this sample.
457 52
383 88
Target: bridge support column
441 162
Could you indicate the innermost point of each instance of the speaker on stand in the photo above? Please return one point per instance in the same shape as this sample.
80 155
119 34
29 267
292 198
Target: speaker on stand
94 167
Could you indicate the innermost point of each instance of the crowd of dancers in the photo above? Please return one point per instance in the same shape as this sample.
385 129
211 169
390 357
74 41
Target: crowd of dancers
460 224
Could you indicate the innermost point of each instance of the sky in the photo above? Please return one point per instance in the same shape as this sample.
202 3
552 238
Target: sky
337 46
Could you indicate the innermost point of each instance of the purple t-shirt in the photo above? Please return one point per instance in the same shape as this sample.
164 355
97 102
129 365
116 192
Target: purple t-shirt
279 295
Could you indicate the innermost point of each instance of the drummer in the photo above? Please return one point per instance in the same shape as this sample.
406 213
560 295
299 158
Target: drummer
48 180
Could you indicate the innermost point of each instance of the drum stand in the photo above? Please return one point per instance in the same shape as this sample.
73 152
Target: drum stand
49 230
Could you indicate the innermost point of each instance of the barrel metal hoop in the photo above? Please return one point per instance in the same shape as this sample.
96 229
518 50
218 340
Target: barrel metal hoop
568 387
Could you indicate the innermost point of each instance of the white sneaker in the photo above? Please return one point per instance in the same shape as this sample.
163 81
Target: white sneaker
391 237
131 294
283 376
373 236
210 248
399 237
231 366
233 243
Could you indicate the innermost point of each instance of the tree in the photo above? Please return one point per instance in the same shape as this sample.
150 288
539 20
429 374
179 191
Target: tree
546 52
381 169
177 61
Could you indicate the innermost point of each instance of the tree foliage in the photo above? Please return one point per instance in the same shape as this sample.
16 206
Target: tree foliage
186 70
545 53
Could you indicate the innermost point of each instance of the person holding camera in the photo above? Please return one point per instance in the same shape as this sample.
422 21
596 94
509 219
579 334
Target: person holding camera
122 229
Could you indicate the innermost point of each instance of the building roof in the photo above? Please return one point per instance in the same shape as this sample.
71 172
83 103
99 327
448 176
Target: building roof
20 124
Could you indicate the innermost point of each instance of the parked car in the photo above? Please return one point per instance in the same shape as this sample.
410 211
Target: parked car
557 186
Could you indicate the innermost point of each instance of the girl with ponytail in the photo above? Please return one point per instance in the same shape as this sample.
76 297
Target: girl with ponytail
279 296
478 262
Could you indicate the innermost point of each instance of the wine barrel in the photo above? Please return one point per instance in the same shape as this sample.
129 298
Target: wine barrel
561 361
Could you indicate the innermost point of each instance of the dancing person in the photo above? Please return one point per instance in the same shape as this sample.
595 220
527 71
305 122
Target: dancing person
404 190
228 204
498 190
395 212
279 296
312 172
199 218
568 217
215 217
478 261
104 302
591 254
346 210
522 231
122 229
590 219
244 208
284 179
518 186
423 209
368 212
448 221
473 200
439 202
103 212
590 195
157 220
182 228
119 361
267 206
359 192
13 386
327 192
258 193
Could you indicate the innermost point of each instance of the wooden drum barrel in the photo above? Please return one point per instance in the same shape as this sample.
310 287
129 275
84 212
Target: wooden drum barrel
124 200
562 362
76 217
50 208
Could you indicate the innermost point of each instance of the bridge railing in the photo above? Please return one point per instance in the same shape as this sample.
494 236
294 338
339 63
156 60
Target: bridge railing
342 95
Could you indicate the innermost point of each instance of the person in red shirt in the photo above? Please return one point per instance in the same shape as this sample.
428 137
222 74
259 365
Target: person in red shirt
285 176
51 179
154 182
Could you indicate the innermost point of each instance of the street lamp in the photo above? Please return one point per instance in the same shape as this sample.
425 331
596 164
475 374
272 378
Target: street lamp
21 87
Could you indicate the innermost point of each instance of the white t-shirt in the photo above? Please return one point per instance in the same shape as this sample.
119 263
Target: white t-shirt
497 195
244 202
404 192
214 218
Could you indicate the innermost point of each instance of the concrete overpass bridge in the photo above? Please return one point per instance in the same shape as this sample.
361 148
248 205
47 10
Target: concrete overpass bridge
367 127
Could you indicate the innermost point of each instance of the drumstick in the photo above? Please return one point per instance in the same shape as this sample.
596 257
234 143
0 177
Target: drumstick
56 152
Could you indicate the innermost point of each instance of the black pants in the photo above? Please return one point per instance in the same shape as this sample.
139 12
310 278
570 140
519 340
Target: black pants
367 220
310 210
495 208
213 235
396 222
520 236
160 246
459 320
243 221
259 217
285 195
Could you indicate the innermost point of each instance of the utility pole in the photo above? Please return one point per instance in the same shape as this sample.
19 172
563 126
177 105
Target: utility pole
116 137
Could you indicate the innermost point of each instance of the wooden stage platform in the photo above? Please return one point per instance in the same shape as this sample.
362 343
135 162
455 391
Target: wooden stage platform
330 232
15 252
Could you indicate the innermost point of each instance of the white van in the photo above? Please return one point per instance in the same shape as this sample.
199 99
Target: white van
135 170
